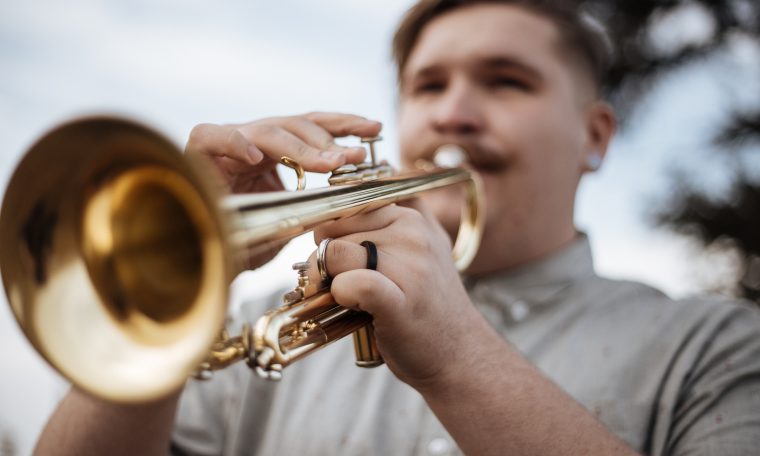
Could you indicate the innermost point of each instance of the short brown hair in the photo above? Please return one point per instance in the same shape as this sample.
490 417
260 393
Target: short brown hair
586 42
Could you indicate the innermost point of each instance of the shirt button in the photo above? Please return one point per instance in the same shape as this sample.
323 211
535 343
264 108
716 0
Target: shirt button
439 446
519 310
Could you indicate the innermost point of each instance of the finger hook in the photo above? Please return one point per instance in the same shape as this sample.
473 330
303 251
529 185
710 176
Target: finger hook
295 166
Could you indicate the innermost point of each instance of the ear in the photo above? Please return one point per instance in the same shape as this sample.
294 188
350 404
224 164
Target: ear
601 125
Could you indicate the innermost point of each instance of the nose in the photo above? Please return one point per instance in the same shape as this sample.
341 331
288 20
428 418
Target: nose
457 112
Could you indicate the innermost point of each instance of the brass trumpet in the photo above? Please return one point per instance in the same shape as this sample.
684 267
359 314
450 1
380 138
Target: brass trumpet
117 252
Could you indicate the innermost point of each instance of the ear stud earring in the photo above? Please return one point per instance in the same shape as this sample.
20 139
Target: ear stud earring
594 161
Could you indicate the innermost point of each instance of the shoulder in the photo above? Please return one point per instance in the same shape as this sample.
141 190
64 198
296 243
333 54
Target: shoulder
693 335
637 300
655 326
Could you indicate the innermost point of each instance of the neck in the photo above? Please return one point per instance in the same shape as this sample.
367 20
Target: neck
498 255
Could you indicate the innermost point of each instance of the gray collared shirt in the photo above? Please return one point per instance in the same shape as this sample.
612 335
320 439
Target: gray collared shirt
668 377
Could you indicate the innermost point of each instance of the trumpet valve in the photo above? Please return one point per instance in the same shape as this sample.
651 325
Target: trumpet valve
364 172
371 140
304 289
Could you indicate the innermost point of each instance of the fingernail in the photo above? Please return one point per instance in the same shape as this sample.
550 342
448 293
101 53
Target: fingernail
330 155
255 154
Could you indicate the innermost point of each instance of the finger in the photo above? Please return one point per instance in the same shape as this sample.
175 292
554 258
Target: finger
261 253
363 222
370 291
346 255
342 255
233 166
419 205
222 141
241 178
316 136
276 142
340 125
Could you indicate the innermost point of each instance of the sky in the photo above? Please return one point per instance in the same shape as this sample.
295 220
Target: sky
177 63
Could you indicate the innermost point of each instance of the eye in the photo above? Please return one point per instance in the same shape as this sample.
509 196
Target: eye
429 87
507 82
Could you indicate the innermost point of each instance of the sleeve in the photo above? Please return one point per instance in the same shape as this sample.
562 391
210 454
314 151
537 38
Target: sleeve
718 409
200 422
212 412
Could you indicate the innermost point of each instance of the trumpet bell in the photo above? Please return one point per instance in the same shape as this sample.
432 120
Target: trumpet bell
114 259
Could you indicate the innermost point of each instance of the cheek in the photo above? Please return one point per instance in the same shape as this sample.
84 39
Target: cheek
411 128
548 170
547 140
568 131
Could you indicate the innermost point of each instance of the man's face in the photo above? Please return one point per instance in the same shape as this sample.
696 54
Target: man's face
491 79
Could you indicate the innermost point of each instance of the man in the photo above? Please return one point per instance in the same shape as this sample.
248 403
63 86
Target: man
537 355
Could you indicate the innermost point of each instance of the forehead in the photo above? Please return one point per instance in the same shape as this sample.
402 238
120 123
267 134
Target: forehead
478 32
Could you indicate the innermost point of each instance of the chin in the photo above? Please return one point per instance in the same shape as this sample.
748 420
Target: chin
446 205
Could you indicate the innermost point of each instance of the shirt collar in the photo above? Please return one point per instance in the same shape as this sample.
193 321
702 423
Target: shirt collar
536 283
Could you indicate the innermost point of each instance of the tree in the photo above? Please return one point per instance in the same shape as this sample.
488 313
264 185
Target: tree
730 222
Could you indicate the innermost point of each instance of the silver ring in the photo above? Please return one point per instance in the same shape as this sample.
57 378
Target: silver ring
321 265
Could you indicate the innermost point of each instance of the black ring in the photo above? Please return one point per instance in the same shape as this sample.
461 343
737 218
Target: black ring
371 254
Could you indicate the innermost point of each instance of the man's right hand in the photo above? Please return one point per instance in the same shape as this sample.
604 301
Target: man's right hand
246 154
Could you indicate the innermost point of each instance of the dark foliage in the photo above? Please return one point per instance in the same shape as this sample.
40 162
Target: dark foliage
735 219
708 218
740 129
637 63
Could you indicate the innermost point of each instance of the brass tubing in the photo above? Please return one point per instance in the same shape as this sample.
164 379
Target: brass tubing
283 215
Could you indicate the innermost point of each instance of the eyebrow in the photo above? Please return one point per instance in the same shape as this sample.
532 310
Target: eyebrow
512 63
494 62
